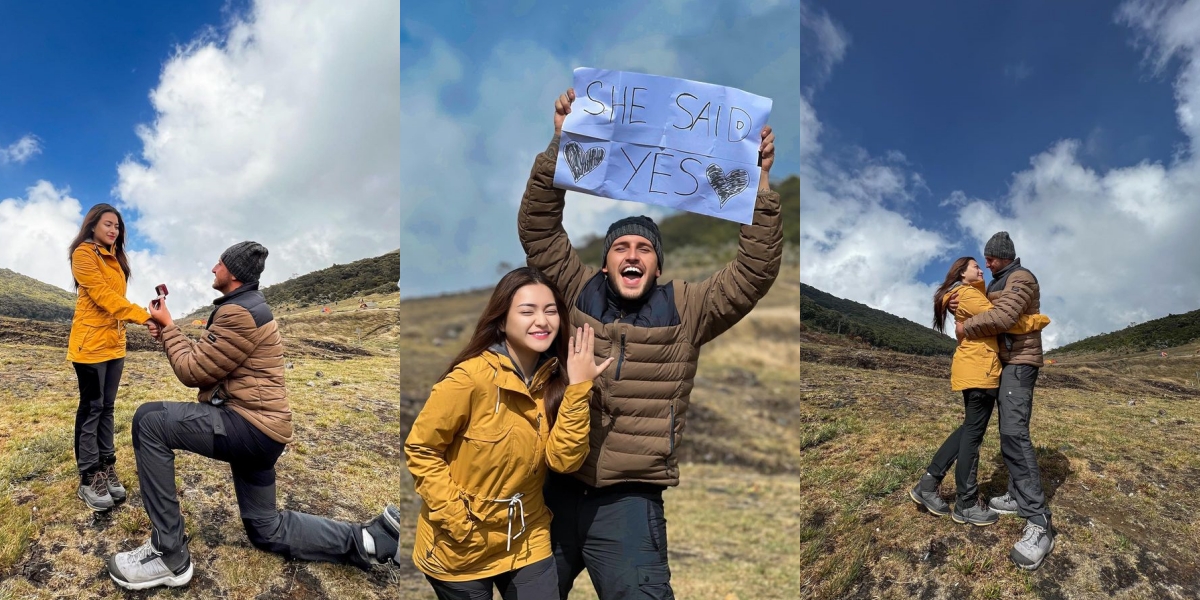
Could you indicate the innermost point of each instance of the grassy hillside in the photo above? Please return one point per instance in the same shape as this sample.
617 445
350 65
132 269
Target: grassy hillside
826 313
342 380
376 275
1167 332
1115 441
331 285
24 297
689 229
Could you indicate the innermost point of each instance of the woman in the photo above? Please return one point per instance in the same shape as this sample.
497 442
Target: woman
97 349
513 403
975 371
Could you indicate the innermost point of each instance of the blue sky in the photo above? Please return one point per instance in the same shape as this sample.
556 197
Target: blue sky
78 80
930 126
478 82
206 123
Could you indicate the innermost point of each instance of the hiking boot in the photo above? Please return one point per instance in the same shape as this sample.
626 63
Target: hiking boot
1036 542
115 489
925 493
145 567
94 492
385 530
974 514
1004 505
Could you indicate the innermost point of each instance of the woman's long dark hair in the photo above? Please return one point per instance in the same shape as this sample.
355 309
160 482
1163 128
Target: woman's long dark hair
487 332
85 231
953 276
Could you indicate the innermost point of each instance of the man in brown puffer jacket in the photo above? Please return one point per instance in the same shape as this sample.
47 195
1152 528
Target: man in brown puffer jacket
242 418
1014 291
608 516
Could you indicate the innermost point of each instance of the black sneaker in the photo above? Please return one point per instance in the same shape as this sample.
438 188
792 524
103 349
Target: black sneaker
385 530
925 493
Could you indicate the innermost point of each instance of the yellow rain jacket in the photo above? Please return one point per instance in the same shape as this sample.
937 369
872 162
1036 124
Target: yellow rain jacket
977 362
101 310
478 453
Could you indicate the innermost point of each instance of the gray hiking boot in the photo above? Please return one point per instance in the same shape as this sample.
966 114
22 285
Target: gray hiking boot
1036 542
95 492
115 489
1004 505
385 530
145 567
974 514
925 493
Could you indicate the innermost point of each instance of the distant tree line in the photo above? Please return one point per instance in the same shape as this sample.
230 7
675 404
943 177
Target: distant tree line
1167 332
827 313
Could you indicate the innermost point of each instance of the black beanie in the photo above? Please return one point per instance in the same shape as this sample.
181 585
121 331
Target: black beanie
1000 246
639 225
245 261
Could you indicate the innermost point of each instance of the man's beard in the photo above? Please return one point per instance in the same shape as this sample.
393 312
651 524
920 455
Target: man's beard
649 282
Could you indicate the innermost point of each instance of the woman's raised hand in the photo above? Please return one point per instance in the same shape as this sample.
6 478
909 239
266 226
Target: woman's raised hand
581 364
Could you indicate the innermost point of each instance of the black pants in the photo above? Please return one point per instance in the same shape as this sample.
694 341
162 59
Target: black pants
94 447
619 534
963 445
537 581
1016 408
159 428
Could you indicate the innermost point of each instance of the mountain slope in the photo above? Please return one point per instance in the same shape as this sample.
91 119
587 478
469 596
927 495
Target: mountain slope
828 313
1166 332
27 298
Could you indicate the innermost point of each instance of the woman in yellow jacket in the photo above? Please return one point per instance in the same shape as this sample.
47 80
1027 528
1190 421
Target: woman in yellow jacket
96 348
975 371
512 404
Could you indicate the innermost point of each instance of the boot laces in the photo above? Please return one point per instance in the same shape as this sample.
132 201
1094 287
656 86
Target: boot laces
110 472
144 551
1032 531
100 483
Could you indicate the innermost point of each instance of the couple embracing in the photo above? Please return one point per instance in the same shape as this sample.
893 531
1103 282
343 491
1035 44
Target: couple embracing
996 363
546 446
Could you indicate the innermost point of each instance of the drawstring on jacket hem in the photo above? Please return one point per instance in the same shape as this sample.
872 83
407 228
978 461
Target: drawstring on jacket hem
514 504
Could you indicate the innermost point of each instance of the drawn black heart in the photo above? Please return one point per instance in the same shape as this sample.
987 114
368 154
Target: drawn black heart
726 186
580 162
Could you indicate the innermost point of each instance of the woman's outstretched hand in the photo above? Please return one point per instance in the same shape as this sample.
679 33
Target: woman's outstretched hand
581 364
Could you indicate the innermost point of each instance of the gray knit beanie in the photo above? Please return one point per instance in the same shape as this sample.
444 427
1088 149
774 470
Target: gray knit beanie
1000 246
639 225
245 261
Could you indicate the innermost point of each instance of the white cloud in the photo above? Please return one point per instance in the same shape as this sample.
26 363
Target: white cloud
21 150
1108 246
282 128
825 41
37 231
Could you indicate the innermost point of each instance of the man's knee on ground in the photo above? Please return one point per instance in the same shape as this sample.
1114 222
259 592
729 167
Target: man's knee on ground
156 410
261 531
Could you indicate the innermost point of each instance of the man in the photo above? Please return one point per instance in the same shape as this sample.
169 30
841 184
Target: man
608 517
1014 291
242 418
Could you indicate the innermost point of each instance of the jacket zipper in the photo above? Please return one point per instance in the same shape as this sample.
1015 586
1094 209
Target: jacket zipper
671 431
621 357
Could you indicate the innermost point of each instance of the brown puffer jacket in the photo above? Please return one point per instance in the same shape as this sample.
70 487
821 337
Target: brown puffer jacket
240 359
1014 291
639 405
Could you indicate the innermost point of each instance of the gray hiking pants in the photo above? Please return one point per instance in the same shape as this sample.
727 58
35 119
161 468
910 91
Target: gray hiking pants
1016 408
160 428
